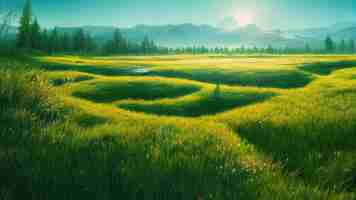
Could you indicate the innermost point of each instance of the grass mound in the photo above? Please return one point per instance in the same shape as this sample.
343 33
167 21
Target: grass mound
86 120
110 90
311 133
205 103
326 68
261 78
345 74
46 157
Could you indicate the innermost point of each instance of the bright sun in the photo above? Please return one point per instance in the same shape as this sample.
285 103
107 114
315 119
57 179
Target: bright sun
244 18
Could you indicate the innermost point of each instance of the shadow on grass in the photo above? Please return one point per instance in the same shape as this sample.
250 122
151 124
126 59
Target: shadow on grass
271 79
206 105
65 80
88 121
110 91
312 149
326 68
99 70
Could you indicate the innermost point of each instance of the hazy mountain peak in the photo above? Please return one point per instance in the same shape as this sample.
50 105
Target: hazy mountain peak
229 24
343 25
251 28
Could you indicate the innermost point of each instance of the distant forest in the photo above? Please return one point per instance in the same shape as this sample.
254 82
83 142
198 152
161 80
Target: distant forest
32 37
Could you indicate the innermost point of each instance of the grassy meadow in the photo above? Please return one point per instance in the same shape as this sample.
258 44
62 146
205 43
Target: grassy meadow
178 127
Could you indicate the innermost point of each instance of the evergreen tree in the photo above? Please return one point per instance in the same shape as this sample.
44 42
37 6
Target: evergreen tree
270 49
108 47
66 42
118 45
329 45
89 44
351 46
44 43
54 43
117 41
307 48
286 50
24 32
342 47
125 45
35 35
79 41
242 49
145 46
255 49
152 47
216 50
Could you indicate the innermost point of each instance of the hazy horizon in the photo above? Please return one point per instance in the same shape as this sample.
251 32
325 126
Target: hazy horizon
125 13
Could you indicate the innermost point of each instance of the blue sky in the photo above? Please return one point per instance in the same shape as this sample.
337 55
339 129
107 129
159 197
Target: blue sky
265 13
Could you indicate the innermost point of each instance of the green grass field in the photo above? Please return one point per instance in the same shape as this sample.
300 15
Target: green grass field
179 127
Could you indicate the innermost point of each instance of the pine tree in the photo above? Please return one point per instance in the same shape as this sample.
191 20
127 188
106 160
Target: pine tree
351 46
117 41
286 50
89 43
270 49
35 35
242 49
145 46
329 45
216 50
342 47
118 45
54 43
66 42
24 32
124 45
108 47
152 47
307 48
79 41
255 49
44 43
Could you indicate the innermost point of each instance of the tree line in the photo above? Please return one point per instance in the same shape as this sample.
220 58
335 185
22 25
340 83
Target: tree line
32 36
121 45
343 47
330 46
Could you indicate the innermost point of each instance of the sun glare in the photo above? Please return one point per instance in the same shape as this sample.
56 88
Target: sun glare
244 18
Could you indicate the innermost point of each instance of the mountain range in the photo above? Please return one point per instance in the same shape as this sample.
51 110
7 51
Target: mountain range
210 36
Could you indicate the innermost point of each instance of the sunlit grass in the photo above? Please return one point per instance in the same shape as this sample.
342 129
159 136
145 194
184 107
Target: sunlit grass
274 141
298 107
